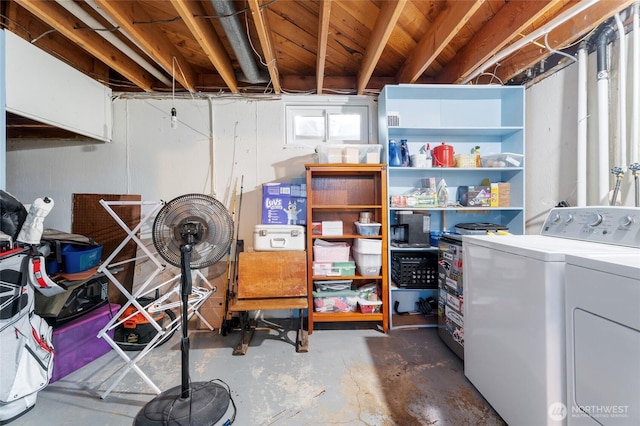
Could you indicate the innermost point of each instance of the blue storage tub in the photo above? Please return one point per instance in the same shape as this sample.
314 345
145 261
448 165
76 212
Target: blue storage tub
78 258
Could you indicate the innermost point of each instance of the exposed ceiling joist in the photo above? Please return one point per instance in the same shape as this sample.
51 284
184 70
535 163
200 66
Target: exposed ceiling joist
208 40
151 39
386 21
513 19
66 24
337 46
265 41
446 26
561 37
323 36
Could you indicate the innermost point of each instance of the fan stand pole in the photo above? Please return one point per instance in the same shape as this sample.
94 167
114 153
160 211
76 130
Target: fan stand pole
186 286
194 404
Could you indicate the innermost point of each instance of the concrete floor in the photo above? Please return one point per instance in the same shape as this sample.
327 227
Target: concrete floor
355 376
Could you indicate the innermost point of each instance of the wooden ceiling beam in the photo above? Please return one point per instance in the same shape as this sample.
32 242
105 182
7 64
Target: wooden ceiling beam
560 37
150 39
385 23
323 37
267 48
445 27
208 39
511 20
65 23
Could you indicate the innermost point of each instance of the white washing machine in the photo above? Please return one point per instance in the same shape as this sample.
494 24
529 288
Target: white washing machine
515 309
603 339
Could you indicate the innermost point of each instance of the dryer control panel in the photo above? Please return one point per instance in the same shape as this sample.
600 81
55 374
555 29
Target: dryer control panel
599 224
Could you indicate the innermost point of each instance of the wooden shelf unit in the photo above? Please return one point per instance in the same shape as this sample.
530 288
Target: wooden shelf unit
342 192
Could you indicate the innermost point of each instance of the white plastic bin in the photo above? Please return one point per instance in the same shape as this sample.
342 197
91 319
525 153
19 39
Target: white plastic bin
367 264
324 251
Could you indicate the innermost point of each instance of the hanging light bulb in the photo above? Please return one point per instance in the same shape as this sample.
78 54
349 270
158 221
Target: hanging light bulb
174 118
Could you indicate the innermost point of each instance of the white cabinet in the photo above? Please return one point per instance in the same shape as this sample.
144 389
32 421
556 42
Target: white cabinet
485 119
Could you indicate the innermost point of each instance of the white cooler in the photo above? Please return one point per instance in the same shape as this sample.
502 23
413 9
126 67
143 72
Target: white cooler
278 237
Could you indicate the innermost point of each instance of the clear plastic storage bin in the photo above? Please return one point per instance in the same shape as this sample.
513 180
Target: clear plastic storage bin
368 228
349 153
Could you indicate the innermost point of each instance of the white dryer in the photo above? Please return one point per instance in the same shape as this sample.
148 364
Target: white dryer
603 339
515 349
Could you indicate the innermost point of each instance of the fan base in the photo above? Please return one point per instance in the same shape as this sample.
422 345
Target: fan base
206 405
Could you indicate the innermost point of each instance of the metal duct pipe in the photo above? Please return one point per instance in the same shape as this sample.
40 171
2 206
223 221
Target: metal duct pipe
603 113
239 41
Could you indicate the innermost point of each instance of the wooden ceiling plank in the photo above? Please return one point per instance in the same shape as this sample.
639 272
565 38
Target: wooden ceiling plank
64 23
263 35
563 35
386 21
150 39
323 36
208 40
507 25
444 28
298 60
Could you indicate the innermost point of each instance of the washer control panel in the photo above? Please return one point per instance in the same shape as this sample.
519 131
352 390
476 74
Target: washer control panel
599 224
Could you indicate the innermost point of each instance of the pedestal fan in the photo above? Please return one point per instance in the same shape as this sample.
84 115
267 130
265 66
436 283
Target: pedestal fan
191 231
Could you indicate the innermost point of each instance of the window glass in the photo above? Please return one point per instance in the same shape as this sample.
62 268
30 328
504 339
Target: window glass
314 125
344 126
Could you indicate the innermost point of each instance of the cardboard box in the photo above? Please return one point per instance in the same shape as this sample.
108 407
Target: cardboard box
474 196
332 227
284 204
500 194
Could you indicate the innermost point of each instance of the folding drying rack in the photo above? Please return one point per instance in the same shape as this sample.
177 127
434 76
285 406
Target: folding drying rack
169 290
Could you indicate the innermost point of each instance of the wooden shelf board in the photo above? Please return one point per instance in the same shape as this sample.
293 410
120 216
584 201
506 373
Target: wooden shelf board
345 316
413 320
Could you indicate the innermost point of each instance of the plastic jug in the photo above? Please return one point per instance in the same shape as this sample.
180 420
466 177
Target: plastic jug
395 158
443 155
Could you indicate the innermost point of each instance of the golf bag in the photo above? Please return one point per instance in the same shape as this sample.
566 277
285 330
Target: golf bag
26 350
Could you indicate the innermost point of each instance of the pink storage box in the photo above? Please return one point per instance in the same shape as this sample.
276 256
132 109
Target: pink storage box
324 251
77 343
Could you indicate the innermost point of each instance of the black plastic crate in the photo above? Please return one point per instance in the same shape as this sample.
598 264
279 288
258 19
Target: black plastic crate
414 269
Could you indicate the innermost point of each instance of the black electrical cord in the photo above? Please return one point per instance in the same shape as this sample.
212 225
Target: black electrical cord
427 306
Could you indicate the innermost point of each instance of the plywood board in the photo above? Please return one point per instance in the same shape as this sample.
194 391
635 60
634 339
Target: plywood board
272 274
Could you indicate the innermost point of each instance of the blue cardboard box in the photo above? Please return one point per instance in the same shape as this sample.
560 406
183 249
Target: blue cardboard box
284 204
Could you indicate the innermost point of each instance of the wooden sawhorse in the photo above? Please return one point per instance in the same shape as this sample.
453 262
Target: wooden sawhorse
270 280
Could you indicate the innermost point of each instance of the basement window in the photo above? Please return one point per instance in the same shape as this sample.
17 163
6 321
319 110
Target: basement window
314 125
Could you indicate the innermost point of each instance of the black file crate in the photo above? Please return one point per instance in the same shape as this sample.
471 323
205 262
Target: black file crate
414 269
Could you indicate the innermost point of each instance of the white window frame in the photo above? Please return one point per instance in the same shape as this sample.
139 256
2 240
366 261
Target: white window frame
322 135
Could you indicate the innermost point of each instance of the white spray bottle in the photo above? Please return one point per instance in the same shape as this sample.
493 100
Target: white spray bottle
33 226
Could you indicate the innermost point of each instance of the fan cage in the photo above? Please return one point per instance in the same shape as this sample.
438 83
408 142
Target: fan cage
212 218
